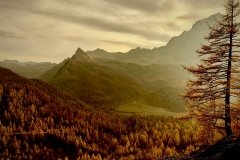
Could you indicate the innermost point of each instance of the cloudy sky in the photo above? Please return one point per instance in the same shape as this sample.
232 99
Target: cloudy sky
51 30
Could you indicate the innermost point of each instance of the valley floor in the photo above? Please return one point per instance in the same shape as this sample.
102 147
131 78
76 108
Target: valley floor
137 107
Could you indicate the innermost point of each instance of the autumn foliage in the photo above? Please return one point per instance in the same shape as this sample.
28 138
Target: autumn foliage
211 93
39 122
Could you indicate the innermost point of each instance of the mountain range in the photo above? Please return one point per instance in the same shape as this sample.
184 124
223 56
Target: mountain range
27 69
126 82
179 50
90 81
109 84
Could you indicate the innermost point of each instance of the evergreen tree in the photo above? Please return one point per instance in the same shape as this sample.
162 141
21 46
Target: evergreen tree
209 93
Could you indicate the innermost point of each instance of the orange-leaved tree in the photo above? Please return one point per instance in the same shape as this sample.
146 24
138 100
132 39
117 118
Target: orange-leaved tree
209 93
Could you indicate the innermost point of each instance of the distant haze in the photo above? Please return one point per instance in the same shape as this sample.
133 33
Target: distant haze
51 30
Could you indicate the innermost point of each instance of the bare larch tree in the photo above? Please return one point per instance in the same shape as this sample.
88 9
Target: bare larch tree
209 94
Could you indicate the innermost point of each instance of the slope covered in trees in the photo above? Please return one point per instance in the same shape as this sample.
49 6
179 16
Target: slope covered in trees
92 83
38 121
109 84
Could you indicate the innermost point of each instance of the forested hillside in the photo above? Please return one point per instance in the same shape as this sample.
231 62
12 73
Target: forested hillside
149 80
38 121
92 83
109 84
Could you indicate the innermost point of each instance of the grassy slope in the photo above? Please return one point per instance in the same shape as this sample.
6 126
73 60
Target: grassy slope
109 84
93 83
164 84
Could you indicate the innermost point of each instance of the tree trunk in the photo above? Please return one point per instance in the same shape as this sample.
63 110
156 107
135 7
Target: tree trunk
227 97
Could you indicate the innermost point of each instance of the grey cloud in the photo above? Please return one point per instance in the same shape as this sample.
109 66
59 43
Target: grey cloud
201 4
122 43
17 4
73 2
93 22
8 34
172 26
149 6
104 25
189 16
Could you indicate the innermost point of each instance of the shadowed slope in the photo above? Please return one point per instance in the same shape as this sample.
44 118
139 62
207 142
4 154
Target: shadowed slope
91 82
